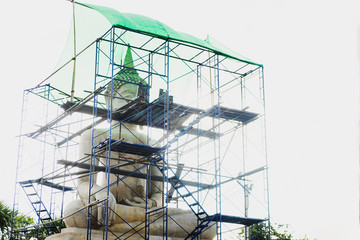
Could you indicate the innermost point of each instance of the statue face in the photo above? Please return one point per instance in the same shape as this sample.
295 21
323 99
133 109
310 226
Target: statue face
121 96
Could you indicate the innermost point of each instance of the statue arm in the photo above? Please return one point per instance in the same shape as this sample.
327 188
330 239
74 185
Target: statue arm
157 189
85 147
83 184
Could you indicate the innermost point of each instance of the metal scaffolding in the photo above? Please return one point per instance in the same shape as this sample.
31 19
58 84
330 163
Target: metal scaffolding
202 115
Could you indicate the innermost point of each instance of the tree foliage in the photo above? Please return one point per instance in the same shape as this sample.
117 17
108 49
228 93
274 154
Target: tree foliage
20 220
277 231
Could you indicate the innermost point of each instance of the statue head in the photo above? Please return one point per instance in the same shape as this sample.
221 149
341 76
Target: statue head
127 84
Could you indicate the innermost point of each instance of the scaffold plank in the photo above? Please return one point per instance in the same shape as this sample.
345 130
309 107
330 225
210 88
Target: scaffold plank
133 174
130 148
234 219
137 113
73 108
45 183
154 114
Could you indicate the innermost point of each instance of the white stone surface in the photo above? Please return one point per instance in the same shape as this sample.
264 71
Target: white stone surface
80 234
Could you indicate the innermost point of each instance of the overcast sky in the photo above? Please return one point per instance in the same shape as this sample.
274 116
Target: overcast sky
310 50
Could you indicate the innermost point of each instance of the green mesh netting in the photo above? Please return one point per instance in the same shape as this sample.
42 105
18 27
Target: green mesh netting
155 28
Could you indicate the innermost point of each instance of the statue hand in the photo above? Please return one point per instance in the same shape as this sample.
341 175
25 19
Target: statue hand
140 202
102 207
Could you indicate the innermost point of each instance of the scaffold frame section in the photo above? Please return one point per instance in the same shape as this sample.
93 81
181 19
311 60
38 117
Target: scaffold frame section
182 127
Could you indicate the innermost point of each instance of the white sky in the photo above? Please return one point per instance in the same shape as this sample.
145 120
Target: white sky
310 50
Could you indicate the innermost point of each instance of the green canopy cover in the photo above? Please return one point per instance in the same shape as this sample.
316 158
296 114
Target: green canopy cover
155 28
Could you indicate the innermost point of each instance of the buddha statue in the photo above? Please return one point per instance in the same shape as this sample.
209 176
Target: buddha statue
126 199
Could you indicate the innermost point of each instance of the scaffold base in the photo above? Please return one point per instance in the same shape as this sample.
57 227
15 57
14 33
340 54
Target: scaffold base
80 234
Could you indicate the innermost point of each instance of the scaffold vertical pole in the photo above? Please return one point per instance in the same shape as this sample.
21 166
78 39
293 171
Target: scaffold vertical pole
18 163
217 145
74 59
244 148
167 122
267 194
108 151
198 92
92 157
43 157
